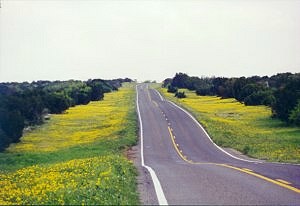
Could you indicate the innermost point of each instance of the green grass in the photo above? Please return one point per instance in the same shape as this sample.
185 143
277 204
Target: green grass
81 172
248 129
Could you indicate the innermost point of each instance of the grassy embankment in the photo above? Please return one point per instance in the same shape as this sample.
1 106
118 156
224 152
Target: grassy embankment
75 158
249 129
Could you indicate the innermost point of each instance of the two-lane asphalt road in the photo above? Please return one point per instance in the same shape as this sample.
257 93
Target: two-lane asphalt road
188 168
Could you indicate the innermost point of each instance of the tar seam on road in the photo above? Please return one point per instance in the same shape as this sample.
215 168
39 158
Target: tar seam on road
278 182
157 186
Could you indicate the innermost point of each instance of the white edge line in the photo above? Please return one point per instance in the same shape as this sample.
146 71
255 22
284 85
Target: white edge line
157 186
162 99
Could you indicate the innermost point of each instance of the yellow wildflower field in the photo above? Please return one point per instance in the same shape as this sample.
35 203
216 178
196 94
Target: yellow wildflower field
79 125
249 129
76 157
80 181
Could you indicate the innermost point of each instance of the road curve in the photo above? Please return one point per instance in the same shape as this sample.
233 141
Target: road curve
191 169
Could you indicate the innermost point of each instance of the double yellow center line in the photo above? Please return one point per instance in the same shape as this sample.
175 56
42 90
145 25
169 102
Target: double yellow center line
279 182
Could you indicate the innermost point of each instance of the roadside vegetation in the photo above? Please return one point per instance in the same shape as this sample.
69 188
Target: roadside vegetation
281 92
252 130
25 105
76 157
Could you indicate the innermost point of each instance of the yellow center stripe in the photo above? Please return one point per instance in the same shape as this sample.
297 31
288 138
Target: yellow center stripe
278 182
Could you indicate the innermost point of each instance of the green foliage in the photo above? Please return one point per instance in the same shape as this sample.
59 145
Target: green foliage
180 80
294 116
167 82
204 89
286 98
57 102
180 95
25 104
172 89
12 124
246 149
97 90
238 85
280 91
260 98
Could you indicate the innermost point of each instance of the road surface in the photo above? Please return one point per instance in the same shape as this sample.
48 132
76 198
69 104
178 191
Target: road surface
186 167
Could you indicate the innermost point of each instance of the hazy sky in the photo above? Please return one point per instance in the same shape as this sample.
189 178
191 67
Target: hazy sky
147 39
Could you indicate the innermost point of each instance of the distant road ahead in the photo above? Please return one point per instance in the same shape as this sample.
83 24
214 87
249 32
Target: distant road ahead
191 169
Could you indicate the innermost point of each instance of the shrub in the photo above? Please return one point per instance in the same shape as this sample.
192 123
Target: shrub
172 89
204 90
294 117
260 98
246 149
286 98
180 95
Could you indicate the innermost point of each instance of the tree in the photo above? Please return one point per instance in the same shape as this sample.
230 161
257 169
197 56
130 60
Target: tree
97 92
180 80
172 89
286 98
204 89
166 82
238 86
4 140
57 102
12 124
260 98
294 116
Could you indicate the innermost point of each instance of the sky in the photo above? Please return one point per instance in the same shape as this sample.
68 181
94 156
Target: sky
147 39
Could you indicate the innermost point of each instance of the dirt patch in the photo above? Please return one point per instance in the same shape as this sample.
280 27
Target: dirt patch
131 153
146 189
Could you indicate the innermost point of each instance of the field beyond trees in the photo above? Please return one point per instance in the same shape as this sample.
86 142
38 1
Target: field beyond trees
248 129
76 157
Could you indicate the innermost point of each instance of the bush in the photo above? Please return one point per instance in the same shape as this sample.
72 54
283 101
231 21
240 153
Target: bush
286 98
204 90
11 125
57 102
294 117
180 95
4 140
172 89
260 98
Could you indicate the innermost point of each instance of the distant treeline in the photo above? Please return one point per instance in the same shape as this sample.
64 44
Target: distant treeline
281 91
27 104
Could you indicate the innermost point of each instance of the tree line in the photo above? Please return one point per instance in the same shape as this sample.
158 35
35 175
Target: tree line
28 104
281 92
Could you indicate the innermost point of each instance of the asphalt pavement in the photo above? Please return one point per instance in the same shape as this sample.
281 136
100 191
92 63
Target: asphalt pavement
186 167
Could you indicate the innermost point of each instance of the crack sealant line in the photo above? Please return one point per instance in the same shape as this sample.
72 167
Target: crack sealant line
157 186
